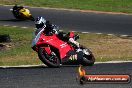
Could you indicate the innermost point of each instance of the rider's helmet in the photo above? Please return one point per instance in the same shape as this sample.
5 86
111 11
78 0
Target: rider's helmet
15 7
40 22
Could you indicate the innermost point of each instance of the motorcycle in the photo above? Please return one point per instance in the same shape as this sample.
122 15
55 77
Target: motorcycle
22 13
55 52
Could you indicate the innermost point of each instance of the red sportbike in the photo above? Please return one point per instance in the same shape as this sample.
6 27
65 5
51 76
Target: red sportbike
53 52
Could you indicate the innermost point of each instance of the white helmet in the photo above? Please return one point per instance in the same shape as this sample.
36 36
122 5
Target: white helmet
40 22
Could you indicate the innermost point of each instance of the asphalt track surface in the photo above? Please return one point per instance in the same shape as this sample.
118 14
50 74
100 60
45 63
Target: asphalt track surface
65 77
74 20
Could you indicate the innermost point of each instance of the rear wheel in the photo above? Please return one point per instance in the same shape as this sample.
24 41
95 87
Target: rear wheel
51 60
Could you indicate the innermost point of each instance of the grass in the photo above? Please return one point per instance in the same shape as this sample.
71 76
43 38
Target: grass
104 47
124 6
108 48
20 52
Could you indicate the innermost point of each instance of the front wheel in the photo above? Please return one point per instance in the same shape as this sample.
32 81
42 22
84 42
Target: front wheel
51 60
88 60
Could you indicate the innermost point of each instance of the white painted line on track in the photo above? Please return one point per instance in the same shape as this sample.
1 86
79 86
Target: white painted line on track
14 26
99 33
6 25
23 66
85 32
110 34
6 5
24 27
74 31
124 35
108 62
43 65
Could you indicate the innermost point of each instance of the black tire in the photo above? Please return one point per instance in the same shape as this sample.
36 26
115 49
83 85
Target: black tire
43 56
88 60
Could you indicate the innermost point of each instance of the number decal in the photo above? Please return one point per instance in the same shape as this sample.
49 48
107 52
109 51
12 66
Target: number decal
73 57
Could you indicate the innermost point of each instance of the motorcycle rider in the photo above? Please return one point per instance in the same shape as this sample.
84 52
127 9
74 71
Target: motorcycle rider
41 23
16 9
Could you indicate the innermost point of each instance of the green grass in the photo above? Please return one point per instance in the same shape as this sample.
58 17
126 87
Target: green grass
104 47
108 48
124 6
20 52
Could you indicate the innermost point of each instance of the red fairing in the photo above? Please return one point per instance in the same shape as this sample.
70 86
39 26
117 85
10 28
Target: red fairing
53 51
52 40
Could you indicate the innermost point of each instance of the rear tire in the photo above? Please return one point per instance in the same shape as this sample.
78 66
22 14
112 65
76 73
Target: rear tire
44 57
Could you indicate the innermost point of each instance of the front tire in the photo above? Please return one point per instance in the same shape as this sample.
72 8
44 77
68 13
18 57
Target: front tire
50 60
88 60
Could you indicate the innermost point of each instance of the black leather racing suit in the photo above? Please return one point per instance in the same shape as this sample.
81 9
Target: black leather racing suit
50 28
